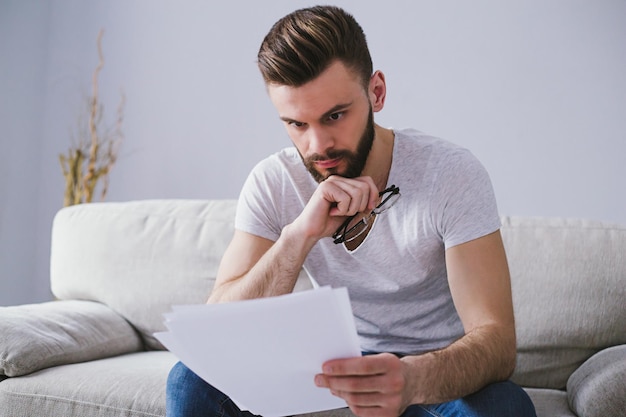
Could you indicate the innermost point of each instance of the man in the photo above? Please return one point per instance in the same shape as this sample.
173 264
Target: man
408 223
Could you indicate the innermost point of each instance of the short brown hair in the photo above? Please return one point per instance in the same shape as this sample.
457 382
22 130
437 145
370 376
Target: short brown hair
301 45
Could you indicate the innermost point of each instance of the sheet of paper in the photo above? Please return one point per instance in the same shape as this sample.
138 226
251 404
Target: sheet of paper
265 353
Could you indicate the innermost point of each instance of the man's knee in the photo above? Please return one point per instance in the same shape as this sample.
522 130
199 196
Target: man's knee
504 398
187 394
495 400
179 378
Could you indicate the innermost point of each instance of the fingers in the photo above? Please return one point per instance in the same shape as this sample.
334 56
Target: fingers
374 404
370 385
335 198
350 195
384 383
363 365
375 373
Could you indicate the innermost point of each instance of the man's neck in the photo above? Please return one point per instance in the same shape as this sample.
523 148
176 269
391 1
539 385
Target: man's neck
379 160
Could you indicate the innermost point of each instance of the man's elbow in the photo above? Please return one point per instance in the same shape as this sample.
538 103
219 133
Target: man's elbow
508 354
509 366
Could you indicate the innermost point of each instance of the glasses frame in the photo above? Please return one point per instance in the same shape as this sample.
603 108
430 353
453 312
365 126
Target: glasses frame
340 234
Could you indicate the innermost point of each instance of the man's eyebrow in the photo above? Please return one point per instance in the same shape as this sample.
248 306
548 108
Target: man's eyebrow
288 120
326 115
335 109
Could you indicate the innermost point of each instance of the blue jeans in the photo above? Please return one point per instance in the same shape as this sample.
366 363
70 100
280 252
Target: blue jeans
189 395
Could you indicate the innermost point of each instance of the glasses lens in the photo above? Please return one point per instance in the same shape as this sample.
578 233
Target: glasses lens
355 229
388 201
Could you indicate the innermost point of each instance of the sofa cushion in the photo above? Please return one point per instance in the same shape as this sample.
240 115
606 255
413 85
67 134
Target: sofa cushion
550 402
38 336
598 387
131 385
140 257
568 281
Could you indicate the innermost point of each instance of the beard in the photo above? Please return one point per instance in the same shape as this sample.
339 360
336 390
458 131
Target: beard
355 161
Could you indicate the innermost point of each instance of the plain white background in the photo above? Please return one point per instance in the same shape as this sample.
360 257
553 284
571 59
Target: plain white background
535 88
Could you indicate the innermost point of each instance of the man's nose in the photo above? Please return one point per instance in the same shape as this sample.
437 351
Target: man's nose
320 141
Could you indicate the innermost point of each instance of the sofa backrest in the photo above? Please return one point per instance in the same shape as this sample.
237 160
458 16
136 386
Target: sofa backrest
141 257
568 279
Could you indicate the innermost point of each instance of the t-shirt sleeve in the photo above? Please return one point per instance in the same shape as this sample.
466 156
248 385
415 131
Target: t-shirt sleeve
256 208
463 199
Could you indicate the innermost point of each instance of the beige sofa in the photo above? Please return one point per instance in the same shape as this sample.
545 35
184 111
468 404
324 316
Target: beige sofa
116 267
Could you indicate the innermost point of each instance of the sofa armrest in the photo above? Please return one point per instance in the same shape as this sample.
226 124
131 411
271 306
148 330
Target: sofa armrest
37 336
597 387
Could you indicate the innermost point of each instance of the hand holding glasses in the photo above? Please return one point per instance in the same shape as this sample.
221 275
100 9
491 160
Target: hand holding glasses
351 229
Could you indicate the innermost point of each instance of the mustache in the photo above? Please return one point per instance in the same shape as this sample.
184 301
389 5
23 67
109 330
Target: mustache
331 154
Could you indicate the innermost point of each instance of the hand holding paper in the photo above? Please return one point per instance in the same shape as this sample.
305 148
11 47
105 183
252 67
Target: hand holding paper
265 353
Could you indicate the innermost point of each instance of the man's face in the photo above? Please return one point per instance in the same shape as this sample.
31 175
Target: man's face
329 120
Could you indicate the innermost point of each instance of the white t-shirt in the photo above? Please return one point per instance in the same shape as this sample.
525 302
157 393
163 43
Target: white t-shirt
397 277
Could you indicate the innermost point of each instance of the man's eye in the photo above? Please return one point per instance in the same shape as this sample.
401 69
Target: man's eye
296 124
335 116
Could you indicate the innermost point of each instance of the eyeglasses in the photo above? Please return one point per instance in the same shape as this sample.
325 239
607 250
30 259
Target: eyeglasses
349 230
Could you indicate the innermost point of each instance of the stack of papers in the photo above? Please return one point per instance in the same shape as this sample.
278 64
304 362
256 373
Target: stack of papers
265 353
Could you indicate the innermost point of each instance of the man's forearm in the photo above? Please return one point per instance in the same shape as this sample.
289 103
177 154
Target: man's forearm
482 356
275 273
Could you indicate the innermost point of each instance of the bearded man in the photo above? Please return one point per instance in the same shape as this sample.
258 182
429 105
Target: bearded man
408 223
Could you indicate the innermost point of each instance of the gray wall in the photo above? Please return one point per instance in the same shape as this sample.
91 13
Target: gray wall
536 88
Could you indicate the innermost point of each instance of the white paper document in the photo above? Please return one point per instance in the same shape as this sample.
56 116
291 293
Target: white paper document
265 353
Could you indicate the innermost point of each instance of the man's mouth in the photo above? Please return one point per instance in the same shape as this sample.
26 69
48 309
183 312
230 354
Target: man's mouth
327 163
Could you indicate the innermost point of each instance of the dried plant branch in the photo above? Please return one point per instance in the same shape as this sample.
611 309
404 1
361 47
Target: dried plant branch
92 158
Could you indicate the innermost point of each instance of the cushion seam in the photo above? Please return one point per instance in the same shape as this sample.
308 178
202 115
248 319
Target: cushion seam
145 214
601 227
70 401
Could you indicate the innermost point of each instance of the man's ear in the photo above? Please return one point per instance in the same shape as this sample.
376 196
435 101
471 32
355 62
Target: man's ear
377 91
